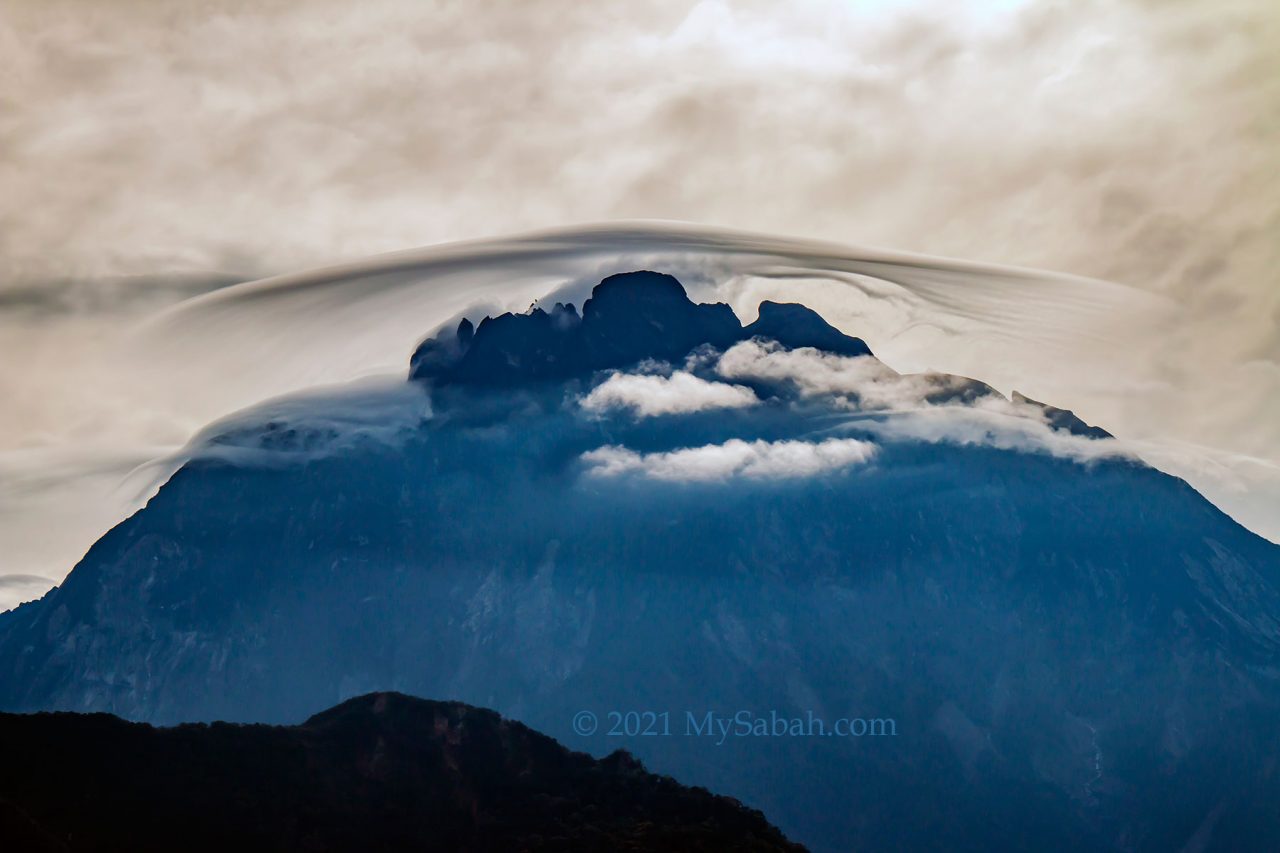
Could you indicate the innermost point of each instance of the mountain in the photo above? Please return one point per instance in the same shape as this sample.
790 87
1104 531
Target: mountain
1032 639
379 772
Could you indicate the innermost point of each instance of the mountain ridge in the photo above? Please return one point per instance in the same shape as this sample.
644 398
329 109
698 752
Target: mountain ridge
382 771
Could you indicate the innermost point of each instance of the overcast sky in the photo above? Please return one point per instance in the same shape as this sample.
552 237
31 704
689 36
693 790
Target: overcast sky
150 151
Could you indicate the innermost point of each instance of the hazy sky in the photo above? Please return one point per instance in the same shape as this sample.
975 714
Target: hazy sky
153 150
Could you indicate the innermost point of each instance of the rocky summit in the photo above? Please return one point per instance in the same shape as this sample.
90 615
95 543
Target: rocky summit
630 317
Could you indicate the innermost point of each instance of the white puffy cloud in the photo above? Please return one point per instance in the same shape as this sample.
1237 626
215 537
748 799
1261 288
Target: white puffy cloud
681 392
734 458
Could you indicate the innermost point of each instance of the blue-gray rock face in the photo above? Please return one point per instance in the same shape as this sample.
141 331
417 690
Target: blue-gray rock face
1074 654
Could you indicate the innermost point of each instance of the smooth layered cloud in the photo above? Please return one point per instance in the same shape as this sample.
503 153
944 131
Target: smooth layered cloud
734 458
647 395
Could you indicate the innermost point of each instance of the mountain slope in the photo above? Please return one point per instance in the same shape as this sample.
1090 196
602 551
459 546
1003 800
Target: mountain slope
381 772
653 509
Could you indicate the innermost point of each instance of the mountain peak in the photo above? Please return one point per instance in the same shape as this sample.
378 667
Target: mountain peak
794 326
629 318
640 290
385 771
389 704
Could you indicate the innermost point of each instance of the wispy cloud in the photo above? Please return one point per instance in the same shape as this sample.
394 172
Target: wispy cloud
864 380
15 589
8 582
308 426
986 423
918 407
